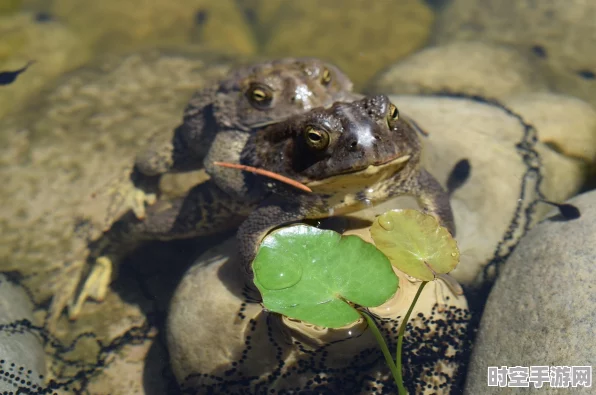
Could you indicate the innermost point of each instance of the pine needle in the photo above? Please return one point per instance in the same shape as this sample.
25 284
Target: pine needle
265 173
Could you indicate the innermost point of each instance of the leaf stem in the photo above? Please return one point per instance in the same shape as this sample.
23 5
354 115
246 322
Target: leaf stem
377 334
400 341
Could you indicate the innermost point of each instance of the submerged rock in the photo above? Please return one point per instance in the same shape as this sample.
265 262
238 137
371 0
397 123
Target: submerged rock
110 25
360 36
55 49
221 341
76 142
558 34
58 159
22 360
541 311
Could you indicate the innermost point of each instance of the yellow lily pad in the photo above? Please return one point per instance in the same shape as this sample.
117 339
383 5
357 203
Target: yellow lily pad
415 243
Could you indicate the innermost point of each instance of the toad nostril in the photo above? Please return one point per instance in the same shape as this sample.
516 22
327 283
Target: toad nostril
377 137
353 145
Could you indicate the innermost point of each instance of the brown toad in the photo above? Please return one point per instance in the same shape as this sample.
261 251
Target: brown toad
216 121
349 155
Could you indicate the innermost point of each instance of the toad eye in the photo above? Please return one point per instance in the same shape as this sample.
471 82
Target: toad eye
393 114
326 77
316 138
259 95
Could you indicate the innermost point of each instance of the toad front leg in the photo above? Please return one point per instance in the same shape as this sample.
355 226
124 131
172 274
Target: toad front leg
260 222
432 197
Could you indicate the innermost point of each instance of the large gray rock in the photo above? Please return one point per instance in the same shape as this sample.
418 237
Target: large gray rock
542 310
22 360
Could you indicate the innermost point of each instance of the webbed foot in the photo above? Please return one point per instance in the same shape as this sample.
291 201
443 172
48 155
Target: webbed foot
64 291
137 201
96 286
124 195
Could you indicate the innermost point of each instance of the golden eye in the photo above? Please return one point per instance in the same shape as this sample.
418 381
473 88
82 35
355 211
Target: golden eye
326 78
259 95
393 114
316 138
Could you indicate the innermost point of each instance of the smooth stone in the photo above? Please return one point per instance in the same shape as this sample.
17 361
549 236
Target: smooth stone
566 124
510 172
213 329
357 35
472 68
558 34
21 350
541 311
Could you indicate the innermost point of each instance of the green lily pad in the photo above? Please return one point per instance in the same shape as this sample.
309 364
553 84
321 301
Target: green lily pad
415 243
312 275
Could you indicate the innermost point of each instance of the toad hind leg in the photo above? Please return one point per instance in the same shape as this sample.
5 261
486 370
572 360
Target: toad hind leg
433 199
96 286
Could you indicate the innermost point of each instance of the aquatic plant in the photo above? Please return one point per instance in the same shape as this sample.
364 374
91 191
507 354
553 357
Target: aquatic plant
326 279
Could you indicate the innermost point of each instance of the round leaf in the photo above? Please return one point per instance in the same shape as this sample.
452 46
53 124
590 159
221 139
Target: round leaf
415 243
312 275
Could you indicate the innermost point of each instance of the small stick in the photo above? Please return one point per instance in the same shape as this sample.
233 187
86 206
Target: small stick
265 173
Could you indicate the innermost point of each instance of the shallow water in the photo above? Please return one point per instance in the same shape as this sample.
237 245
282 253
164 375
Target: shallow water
513 83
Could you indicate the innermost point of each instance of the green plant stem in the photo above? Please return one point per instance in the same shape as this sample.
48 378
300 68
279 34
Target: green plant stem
400 340
377 334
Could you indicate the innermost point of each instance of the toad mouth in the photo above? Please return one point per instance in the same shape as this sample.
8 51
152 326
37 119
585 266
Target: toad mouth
365 172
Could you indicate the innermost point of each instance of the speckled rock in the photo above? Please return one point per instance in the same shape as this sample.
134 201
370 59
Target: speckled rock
473 68
541 311
75 141
357 35
112 25
21 350
565 123
54 47
214 330
510 173
559 34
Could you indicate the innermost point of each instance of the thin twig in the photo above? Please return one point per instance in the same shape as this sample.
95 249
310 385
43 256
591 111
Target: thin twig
265 173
